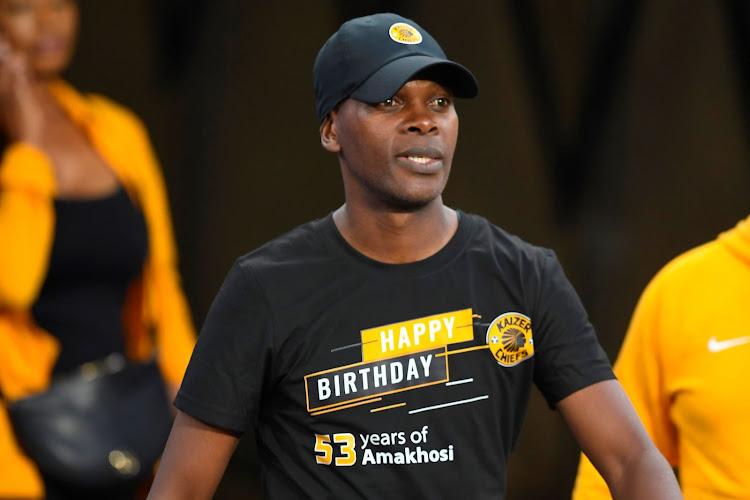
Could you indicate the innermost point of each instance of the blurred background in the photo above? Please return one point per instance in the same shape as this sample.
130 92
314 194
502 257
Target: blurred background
613 131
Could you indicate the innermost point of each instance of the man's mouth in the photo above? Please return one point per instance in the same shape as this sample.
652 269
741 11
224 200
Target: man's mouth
421 159
422 156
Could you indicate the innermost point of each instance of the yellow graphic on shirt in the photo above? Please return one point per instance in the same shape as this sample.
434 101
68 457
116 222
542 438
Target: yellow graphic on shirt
417 335
397 357
369 381
509 338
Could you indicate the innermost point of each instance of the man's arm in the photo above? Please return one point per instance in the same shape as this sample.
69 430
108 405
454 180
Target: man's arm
194 460
610 433
643 368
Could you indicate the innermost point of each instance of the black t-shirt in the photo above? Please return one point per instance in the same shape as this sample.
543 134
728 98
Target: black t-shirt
371 380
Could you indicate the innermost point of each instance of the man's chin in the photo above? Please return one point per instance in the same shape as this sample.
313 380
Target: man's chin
411 204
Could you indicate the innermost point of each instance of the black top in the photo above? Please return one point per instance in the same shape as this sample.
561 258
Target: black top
99 248
372 380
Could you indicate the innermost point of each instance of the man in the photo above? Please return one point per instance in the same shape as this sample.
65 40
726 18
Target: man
388 350
684 365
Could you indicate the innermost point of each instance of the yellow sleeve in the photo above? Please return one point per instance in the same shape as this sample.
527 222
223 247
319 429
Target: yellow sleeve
27 221
640 369
166 308
19 477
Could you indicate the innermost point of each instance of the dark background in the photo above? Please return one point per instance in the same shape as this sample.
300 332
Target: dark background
614 131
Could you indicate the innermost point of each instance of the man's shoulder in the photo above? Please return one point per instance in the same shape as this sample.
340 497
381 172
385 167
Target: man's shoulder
302 244
502 241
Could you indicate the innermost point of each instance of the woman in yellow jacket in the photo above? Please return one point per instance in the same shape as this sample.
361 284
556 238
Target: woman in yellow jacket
83 216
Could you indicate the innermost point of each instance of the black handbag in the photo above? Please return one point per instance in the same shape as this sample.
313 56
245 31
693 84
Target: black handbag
104 426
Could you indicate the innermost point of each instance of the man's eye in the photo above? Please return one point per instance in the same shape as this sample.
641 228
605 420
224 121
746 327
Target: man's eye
389 103
442 102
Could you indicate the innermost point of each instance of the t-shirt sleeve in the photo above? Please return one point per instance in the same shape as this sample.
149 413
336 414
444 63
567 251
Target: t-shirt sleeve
568 353
224 381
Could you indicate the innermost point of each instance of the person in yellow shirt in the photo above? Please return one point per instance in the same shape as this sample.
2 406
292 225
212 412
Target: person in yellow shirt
87 260
684 364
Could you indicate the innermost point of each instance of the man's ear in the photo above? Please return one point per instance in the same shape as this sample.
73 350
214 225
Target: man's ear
328 137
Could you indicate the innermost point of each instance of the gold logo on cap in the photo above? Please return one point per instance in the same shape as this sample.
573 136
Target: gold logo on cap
405 33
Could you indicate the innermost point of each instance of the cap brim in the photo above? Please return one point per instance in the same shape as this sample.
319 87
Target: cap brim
386 82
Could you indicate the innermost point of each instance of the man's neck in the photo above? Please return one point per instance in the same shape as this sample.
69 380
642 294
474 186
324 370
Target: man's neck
397 237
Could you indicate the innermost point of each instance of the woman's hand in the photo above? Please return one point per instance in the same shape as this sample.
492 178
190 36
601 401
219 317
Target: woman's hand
21 112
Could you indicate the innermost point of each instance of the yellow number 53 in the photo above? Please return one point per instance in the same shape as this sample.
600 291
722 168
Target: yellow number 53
324 449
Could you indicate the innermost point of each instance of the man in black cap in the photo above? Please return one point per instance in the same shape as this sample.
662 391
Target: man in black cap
388 349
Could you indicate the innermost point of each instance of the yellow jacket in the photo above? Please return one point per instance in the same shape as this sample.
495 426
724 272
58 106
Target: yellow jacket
684 364
154 303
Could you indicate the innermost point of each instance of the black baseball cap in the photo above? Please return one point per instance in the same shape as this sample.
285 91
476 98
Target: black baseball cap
370 58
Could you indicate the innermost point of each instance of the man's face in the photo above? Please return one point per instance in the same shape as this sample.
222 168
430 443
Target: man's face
397 153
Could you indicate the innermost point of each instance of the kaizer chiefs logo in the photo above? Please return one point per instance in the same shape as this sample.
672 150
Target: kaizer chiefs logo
405 33
509 338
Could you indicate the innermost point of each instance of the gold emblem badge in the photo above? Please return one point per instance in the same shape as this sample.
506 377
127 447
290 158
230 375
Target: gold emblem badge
509 338
405 33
